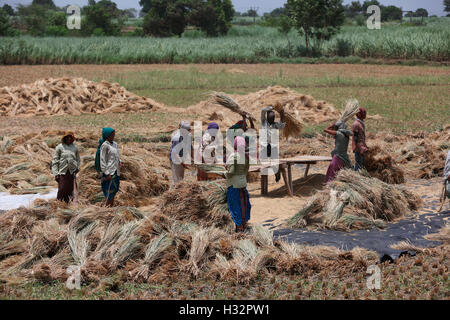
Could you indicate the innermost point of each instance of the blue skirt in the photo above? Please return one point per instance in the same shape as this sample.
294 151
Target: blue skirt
110 188
239 205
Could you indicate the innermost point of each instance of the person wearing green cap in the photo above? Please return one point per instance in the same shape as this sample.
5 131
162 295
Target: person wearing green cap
108 163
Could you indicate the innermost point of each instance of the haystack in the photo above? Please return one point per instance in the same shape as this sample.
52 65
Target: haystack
139 182
382 166
354 201
127 244
74 96
303 108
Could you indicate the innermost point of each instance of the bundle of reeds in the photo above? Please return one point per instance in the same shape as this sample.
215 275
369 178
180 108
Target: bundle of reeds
293 126
382 166
350 110
354 201
227 102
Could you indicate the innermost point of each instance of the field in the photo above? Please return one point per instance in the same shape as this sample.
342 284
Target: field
405 97
243 44
405 100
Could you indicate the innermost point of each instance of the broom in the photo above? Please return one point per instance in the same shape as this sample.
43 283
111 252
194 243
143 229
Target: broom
227 102
293 126
351 108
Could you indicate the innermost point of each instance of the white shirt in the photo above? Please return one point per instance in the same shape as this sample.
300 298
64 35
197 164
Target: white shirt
109 158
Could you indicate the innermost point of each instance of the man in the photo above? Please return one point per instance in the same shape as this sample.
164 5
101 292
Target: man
176 159
268 123
359 139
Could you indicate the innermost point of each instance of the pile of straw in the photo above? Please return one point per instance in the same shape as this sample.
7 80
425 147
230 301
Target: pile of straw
70 96
227 102
293 126
304 108
149 246
350 110
382 166
354 201
139 181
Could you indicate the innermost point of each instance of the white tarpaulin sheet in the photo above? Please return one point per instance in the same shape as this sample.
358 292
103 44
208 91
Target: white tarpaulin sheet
14 201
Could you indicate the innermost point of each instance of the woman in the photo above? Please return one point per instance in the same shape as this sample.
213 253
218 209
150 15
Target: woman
238 198
65 165
110 165
207 140
177 160
340 157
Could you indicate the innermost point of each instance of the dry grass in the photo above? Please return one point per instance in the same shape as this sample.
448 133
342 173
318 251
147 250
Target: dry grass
354 201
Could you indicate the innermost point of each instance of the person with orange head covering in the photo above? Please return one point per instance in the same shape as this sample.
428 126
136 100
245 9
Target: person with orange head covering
65 165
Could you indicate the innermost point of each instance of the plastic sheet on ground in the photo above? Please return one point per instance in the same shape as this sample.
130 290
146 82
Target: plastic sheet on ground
412 229
13 201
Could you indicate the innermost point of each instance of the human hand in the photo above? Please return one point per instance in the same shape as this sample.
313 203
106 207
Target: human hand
108 177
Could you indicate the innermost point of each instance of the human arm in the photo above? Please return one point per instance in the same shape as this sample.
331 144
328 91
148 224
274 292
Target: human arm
264 115
55 162
78 160
330 130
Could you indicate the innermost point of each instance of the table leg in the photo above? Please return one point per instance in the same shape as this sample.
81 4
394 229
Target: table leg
290 177
264 185
286 182
307 170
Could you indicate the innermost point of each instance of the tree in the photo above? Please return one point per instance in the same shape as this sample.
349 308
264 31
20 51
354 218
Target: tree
354 9
367 4
278 12
146 5
316 19
390 13
100 16
447 5
8 9
212 16
421 12
34 17
46 3
166 18
4 22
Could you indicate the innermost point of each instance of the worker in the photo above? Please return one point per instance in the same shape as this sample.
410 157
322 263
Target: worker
177 161
242 124
238 198
207 147
109 164
339 155
268 123
65 166
359 139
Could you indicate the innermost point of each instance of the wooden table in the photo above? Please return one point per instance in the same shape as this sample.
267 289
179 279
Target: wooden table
285 167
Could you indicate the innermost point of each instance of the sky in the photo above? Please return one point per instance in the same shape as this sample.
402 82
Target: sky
433 6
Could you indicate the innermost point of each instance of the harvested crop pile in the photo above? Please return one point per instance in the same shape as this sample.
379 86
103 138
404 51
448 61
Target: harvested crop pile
382 166
304 107
354 201
125 243
70 96
421 154
25 168
139 181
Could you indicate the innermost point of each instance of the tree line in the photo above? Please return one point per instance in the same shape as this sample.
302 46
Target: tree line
316 20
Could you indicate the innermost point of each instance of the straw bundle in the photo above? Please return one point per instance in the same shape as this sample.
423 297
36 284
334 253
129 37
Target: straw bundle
70 96
228 102
382 166
354 201
350 110
293 126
